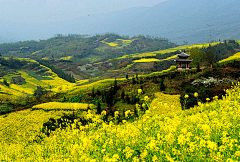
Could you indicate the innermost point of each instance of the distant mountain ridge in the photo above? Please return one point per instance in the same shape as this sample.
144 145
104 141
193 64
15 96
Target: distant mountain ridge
192 21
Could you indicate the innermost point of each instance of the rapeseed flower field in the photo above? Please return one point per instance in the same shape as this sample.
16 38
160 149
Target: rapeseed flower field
154 60
147 54
62 106
235 57
207 132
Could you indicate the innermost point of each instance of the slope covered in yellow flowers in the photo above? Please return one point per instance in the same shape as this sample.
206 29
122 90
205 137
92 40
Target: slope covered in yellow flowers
208 132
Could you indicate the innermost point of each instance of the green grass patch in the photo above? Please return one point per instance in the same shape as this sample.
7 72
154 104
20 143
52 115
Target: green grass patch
38 77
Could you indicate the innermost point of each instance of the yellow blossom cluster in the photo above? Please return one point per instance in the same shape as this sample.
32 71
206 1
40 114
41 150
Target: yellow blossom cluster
160 72
164 103
26 59
34 53
154 60
66 58
126 42
110 44
62 106
82 81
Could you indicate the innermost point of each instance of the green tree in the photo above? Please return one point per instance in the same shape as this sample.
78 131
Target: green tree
98 92
211 55
133 81
93 93
128 99
115 88
122 95
39 92
162 86
198 56
5 82
114 62
99 108
198 67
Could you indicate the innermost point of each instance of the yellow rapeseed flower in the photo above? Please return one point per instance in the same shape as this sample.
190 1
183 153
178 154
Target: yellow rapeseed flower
195 94
103 113
139 91
146 98
154 158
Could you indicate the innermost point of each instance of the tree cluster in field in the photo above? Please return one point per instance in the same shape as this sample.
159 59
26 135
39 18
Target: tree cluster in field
13 63
77 99
39 92
64 122
109 96
82 46
59 72
4 109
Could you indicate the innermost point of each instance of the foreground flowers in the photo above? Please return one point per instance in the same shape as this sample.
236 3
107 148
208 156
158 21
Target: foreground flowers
208 132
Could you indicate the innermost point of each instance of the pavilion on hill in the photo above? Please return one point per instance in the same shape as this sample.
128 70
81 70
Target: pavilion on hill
182 61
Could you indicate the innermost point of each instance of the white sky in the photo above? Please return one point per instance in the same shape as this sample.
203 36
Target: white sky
43 11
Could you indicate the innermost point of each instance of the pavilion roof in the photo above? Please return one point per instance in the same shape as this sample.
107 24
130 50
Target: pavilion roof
183 60
183 55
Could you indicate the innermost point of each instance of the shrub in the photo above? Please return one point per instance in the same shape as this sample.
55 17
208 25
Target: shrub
127 99
189 101
99 110
162 86
39 92
63 123
133 81
122 95
5 83
211 82
5 109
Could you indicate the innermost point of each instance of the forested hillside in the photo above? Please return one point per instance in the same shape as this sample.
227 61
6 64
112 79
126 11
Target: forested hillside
83 48
110 55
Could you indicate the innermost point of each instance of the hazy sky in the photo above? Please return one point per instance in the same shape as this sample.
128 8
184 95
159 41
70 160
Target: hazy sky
43 11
